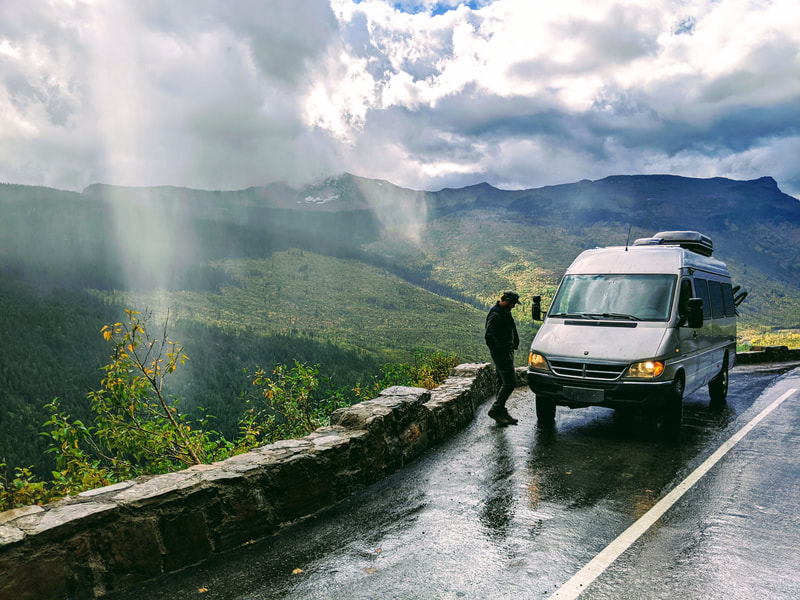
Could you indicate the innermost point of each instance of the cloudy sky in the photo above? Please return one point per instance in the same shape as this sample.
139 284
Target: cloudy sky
218 94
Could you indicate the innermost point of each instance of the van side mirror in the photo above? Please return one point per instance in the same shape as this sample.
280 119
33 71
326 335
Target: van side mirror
536 308
695 313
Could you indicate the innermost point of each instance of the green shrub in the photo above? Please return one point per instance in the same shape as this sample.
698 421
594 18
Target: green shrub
428 371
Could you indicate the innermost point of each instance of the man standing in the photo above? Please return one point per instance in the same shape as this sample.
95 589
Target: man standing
502 339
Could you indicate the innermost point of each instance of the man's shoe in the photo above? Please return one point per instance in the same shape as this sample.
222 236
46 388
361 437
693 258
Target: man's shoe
500 414
509 419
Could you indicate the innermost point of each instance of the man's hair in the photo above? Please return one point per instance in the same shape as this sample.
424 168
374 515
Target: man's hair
509 295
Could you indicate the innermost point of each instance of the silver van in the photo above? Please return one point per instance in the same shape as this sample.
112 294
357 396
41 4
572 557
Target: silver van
637 328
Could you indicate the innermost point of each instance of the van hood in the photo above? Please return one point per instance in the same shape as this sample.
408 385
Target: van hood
608 342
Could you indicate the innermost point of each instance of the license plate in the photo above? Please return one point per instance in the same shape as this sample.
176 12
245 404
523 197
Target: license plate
585 395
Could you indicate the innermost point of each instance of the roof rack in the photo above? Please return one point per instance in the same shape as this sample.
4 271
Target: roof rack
690 240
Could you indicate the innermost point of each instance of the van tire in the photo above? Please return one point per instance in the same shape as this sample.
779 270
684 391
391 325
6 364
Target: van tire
545 411
671 415
718 387
623 418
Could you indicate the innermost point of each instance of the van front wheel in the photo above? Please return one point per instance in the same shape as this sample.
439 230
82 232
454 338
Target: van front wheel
545 411
669 421
718 387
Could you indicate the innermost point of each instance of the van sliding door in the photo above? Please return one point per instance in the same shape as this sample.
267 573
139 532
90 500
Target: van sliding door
705 337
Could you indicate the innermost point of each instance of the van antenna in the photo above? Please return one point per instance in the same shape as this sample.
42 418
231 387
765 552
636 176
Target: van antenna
629 237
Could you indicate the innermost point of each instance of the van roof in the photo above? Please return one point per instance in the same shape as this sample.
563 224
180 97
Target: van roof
643 259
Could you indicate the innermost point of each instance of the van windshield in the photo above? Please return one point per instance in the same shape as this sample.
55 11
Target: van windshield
632 297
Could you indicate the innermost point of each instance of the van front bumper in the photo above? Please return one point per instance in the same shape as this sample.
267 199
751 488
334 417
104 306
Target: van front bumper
578 393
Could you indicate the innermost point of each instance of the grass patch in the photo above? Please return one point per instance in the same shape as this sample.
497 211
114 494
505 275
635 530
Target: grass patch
356 306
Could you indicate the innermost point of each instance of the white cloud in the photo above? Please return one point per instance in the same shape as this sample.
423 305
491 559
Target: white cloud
424 93
601 87
339 101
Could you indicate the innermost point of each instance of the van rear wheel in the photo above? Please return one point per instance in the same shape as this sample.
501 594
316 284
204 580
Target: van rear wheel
545 410
718 387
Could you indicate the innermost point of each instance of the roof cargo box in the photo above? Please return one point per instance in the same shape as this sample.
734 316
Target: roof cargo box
690 240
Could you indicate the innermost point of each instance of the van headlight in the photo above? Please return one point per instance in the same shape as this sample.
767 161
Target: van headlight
649 369
537 362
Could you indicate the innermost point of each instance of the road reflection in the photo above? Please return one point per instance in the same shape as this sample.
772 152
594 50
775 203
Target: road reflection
497 510
592 458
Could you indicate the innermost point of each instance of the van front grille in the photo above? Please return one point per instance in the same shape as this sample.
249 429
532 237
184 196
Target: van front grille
585 370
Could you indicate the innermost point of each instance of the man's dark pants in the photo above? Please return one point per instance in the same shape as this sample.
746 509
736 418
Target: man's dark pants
504 366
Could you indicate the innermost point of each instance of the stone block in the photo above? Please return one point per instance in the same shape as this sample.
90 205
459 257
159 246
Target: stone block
159 489
522 376
185 538
242 511
17 513
397 424
10 535
127 550
38 571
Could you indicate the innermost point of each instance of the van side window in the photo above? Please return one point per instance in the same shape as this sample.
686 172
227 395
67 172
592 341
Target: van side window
727 297
717 303
683 299
701 289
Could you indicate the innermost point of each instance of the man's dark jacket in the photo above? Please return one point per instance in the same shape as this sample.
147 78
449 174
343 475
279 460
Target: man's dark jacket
501 331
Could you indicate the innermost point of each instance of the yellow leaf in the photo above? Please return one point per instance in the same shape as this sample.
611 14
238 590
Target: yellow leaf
297 571
202 590
370 570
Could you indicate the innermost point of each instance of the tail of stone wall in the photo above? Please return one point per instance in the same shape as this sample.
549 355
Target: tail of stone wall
110 538
762 354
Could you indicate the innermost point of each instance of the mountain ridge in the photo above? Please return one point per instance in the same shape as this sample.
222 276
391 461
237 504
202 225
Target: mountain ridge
346 212
92 188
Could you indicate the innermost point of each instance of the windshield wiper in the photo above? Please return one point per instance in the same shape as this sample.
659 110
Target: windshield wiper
613 316
576 315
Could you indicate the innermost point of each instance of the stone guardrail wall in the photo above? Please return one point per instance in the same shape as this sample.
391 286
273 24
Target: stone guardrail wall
109 538
762 354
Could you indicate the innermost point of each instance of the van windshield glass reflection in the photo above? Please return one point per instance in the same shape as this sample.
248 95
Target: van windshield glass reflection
633 297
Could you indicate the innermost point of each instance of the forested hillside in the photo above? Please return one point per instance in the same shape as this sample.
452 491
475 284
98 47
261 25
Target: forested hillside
349 274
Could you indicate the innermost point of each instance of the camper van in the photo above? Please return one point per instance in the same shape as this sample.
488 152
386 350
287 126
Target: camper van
637 328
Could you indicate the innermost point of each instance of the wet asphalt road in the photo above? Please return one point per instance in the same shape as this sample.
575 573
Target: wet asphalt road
516 512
